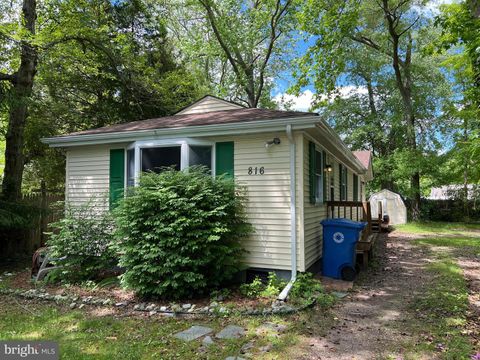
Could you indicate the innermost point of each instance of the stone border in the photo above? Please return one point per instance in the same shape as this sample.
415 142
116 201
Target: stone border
214 309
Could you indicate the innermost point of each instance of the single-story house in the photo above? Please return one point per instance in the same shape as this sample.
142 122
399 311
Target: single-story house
291 164
452 192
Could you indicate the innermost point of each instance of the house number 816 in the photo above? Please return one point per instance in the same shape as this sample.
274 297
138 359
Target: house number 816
256 170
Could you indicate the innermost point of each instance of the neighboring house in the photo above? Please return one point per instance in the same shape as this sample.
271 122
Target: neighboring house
450 192
291 163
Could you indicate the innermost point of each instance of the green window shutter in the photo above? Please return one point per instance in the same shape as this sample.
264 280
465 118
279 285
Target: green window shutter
311 159
340 178
346 183
355 187
324 155
117 176
224 158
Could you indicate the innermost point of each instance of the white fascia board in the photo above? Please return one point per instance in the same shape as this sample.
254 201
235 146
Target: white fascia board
248 127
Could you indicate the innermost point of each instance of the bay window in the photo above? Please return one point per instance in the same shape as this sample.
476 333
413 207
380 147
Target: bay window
158 155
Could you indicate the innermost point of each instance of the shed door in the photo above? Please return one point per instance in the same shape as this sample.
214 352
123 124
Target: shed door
117 175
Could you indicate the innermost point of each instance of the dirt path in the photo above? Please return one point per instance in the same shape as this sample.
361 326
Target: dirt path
369 323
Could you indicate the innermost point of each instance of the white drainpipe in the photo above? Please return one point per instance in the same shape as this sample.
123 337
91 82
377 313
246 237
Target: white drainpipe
293 221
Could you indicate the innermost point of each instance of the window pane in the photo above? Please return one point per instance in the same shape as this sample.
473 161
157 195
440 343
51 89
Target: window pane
130 167
318 162
201 155
319 194
155 159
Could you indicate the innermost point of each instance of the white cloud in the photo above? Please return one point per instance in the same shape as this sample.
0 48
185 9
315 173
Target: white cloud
304 101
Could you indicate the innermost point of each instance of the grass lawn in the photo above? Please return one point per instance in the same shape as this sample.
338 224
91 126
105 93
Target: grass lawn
439 314
440 228
82 335
101 333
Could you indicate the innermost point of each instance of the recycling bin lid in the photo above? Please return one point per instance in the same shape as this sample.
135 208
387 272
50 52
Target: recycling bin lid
345 223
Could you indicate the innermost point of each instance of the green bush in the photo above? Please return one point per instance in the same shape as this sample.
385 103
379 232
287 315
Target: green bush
306 289
85 238
180 233
253 289
257 288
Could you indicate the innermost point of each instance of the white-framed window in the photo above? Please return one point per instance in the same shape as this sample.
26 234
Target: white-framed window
319 176
156 155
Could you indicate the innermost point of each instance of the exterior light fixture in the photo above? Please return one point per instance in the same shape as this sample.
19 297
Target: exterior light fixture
328 168
275 141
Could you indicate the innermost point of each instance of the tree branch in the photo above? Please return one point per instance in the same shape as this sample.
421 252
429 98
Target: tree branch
8 77
276 17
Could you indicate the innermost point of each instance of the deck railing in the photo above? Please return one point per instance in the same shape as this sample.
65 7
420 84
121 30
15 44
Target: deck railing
353 210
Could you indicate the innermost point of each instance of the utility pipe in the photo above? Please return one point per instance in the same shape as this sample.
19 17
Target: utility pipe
293 213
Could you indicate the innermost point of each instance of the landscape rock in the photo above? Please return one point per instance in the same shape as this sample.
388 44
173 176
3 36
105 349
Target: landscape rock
176 308
207 341
231 332
246 347
193 333
150 307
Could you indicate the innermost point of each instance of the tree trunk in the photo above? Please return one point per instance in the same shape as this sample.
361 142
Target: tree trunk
466 209
18 112
404 84
475 8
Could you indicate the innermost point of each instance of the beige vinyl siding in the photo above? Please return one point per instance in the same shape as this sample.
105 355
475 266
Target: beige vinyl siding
313 214
268 199
87 175
209 104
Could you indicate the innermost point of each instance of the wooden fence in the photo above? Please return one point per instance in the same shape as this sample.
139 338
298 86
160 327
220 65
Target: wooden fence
45 202
26 241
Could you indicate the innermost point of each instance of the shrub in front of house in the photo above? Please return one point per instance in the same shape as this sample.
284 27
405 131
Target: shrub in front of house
83 239
179 233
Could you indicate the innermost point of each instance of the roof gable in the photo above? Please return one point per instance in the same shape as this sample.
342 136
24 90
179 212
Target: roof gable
209 103
365 158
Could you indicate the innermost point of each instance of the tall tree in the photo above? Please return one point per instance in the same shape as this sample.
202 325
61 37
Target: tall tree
240 45
392 29
460 23
99 63
21 82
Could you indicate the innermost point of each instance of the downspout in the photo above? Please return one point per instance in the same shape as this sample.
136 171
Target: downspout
293 213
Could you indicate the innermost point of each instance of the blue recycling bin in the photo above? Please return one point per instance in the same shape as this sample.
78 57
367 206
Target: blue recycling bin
340 237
